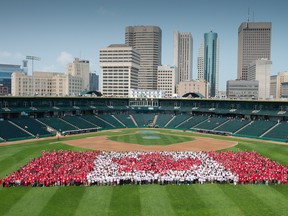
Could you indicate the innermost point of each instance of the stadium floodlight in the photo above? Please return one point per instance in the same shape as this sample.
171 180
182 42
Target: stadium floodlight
33 58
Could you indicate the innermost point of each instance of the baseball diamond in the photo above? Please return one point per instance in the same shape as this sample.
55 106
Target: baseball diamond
111 156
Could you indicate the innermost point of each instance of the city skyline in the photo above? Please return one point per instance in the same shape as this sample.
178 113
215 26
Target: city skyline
58 32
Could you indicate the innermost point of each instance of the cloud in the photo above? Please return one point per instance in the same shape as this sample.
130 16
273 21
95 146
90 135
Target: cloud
102 11
11 56
64 58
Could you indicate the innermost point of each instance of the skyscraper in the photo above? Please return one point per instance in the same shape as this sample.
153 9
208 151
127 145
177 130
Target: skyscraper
147 40
167 80
200 61
79 68
260 70
276 83
211 62
119 66
254 42
93 82
183 55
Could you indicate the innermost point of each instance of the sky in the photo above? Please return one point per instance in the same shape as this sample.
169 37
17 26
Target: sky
58 31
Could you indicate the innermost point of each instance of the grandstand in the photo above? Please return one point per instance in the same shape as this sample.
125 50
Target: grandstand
58 124
211 123
256 128
143 119
178 120
162 120
125 119
193 122
233 125
32 126
26 117
79 122
278 132
96 120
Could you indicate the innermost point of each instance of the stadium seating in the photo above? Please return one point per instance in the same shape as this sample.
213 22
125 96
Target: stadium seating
190 123
32 126
58 124
126 120
97 121
111 120
256 128
178 120
212 123
79 122
162 120
279 132
233 125
143 119
12 132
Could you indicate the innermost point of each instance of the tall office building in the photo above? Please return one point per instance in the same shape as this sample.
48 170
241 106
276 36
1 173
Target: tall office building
211 62
276 84
147 40
242 89
200 61
167 79
260 70
254 42
183 55
119 65
94 82
80 68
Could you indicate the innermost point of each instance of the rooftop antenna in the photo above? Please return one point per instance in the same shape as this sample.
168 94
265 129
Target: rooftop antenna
253 16
248 19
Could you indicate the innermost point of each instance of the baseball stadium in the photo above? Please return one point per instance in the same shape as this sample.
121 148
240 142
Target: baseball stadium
143 156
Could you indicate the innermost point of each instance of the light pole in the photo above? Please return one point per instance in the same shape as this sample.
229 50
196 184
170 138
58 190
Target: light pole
32 58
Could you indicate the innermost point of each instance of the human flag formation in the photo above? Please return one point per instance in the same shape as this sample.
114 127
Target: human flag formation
117 168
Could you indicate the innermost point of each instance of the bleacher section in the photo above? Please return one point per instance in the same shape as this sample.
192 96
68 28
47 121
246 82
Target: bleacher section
79 122
233 125
125 119
211 123
32 126
97 121
256 128
190 123
143 119
177 120
162 120
58 124
111 120
12 132
279 132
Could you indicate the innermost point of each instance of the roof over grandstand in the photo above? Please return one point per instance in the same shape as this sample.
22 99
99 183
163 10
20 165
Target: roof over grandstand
97 93
193 95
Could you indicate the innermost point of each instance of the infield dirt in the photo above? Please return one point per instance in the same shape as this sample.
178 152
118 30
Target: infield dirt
102 143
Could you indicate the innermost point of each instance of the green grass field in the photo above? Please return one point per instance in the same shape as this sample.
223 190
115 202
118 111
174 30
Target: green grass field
208 199
150 139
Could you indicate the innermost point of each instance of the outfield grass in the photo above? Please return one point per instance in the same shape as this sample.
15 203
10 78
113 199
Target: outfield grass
210 199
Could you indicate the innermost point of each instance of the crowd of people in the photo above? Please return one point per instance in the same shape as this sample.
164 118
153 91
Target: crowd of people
117 168
112 168
252 167
53 169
